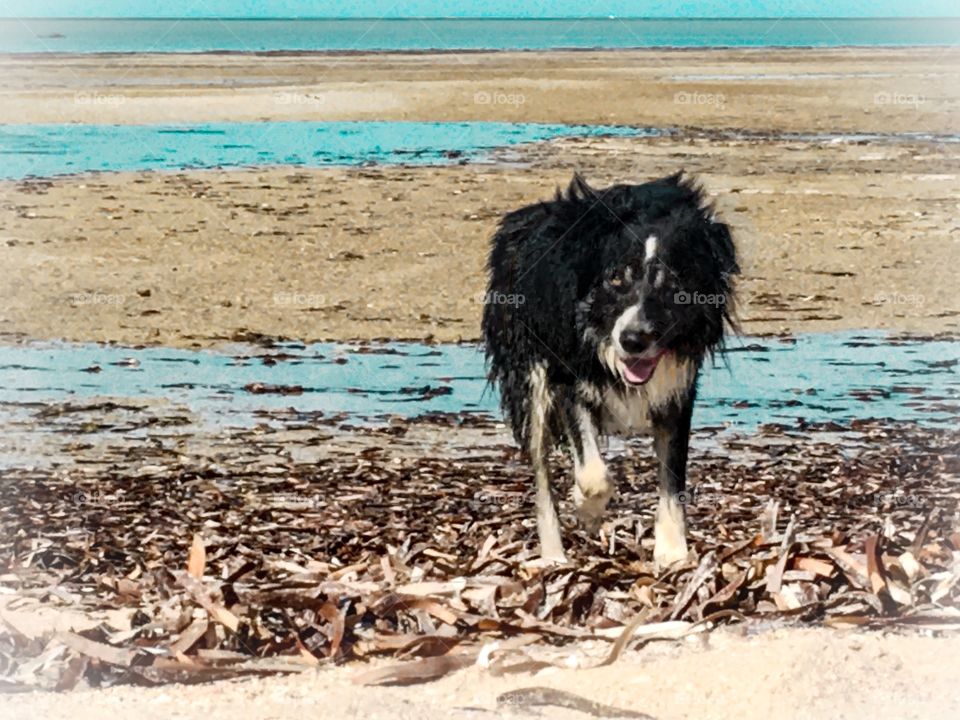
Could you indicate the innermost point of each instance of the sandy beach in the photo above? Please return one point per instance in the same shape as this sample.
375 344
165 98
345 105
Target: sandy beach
834 235
837 170
803 90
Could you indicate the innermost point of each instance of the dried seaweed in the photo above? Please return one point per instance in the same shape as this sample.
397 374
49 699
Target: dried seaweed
247 557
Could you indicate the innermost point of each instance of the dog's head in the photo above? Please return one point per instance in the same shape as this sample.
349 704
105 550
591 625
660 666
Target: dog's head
661 289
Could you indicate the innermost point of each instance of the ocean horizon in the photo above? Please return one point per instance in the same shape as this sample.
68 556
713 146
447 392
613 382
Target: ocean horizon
127 35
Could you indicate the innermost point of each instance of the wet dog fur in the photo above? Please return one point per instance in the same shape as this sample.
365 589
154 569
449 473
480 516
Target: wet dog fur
602 306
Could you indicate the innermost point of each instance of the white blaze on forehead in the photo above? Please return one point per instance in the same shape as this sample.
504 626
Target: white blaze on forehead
650 246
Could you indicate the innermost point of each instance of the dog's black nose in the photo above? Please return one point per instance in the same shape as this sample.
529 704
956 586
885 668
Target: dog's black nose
635 341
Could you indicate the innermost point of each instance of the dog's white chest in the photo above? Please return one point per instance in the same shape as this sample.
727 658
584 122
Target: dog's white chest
627 409
625 412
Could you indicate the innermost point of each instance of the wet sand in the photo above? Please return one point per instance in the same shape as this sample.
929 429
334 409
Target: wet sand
832 236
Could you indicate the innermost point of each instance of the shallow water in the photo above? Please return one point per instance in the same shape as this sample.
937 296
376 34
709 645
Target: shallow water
45 150
812 377
197 35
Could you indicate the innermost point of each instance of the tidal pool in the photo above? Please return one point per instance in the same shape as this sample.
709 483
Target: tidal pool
45 150
810 377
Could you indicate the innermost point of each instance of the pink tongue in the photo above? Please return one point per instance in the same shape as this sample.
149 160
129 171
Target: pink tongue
639 370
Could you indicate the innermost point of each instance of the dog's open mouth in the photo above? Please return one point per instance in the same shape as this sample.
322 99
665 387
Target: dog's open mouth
638 369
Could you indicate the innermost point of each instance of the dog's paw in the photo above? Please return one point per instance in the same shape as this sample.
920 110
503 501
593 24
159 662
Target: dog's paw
592 491
591 507
670 534
666 553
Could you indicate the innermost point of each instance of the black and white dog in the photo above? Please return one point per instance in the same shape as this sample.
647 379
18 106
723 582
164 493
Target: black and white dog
601 308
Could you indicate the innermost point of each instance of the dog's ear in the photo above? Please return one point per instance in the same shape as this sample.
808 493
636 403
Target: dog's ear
723 248
578 189
725 255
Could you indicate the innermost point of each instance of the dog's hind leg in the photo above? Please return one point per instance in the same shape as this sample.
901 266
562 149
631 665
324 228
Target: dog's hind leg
592 488
671 438
548 524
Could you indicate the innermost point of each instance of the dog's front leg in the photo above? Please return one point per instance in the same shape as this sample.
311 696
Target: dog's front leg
671 438
548 524
592 487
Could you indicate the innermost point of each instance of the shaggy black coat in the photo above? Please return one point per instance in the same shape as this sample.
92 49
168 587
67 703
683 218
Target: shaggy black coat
554 294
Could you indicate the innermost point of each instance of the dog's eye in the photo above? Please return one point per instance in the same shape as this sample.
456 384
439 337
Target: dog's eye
620 280
617 283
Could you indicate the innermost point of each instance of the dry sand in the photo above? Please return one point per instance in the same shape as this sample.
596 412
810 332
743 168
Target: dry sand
787 673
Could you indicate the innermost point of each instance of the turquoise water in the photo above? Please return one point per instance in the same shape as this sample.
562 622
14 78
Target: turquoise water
814 377
58 149
87 36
